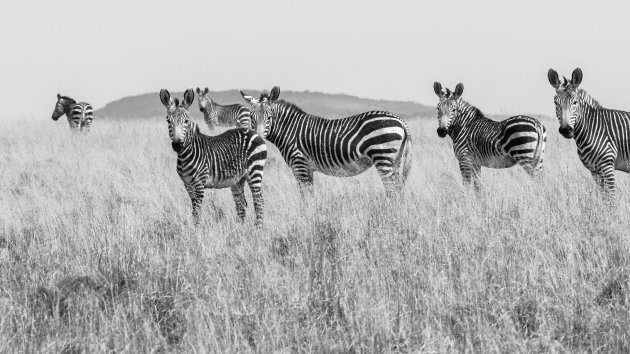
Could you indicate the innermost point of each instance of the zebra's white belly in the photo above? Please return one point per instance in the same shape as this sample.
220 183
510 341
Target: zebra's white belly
622 165
348 169
498 162
211 183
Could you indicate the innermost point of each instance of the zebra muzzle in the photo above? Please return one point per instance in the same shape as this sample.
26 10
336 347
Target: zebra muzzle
566 132
177 146
441 132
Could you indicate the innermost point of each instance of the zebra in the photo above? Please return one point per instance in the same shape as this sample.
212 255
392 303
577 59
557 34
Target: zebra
479 141
226 160
215 114
79 114
336 147
601 135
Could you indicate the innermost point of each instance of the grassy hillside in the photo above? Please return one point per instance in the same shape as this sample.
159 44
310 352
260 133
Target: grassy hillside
322 104
98 254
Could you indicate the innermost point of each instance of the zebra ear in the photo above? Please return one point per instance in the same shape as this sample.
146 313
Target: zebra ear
437 87
205 91
58 96
554 80
247 98
165 97
459 89
275 93
189 98
576 77
198 91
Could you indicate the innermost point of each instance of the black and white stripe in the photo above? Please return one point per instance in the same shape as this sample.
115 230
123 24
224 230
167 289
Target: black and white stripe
226 160
215 114
479 141
336 147
602 135
79 114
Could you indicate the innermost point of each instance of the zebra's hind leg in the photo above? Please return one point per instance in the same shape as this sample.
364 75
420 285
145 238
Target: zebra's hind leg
390 176
533 168
259 202
196 198
238 193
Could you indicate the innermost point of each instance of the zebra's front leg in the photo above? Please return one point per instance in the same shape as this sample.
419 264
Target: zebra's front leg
238 193
196 197
605 178
303 173
470 173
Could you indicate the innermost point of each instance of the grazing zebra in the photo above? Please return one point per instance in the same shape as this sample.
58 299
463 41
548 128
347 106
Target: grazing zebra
336 147
602 135
226 160
215 114
479 141
79 114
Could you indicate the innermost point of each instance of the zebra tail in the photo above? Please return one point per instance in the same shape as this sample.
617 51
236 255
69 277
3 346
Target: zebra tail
404 155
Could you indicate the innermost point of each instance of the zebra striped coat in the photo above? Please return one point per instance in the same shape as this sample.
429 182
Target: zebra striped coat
227 160
79 114
602 135
336 147
215 114
479 141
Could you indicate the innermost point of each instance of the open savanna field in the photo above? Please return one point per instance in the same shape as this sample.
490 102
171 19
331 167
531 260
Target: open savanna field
98 253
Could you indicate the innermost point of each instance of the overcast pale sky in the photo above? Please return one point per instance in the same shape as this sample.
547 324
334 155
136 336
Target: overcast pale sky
501 50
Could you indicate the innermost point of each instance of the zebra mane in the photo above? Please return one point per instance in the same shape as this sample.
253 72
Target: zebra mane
70 99
583 95
290 106
474 111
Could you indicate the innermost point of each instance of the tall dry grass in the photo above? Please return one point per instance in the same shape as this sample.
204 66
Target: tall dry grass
98 254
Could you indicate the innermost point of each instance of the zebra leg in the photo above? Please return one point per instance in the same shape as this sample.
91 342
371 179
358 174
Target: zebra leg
259 202
302 172
605 179
390 175
470 173
532 167
196 198
238 193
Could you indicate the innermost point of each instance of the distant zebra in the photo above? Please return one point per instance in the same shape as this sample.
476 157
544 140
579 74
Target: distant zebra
479 141
336 147
79 114
602 135
226 160
231 115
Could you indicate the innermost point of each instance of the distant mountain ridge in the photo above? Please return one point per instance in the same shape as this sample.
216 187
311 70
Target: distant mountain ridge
317 103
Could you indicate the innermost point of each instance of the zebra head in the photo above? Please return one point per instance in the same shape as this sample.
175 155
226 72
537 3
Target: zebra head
448 107
567 100
261 110
205 106
180 127
61 107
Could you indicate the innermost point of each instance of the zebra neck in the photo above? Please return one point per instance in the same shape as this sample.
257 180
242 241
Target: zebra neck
469 114
286 120
585 121
68 108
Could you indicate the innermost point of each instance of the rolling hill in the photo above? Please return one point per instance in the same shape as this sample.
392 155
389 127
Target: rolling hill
318 103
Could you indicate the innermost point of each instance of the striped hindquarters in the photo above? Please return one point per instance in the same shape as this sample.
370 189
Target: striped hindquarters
382 138
81 116
523 138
